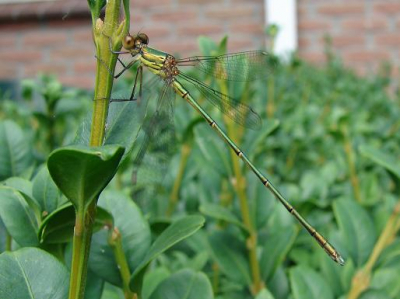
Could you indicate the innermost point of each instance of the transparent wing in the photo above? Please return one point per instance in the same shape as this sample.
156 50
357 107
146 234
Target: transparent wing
235 110
241 66
157 145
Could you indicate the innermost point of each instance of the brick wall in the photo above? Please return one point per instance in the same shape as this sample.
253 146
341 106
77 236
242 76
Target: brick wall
55 36
363 32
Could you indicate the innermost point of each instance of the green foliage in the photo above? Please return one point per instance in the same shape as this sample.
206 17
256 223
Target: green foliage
82 173
329 142
32 273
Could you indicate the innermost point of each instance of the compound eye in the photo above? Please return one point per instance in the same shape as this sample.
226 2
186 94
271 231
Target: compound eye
128 42
144 38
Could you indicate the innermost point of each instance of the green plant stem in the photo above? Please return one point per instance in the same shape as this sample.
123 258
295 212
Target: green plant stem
80 252
173 199
349 151
8 242
116 243
239 183
104 80
362 278
215 277
271 95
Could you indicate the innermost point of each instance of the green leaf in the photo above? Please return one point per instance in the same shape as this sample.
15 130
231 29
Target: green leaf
207 46
112 292
135 232
257 138
186 284
18 217
387 280
95 7
94 286
213 150
386 160
15 150
264 294
32 273
374 294
82 172
177 231
152 280
276 248
20 184
45 191
221 213
357 229
230 255
308 284
279 283
390 255
58 227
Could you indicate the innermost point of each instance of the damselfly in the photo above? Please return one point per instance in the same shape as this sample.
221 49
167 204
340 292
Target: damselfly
228 67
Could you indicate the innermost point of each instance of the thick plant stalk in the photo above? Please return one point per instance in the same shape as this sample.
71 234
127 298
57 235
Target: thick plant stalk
104 80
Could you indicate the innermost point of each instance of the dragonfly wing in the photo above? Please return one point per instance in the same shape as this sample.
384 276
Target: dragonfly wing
157 145
241 66
240 113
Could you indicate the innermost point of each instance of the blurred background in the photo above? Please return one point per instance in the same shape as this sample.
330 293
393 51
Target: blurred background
330 139
54 36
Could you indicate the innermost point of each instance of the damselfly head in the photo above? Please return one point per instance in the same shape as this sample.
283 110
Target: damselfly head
128 42
136 42
144 39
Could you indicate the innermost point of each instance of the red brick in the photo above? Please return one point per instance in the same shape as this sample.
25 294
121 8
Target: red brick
199 2
69 23
365 24
175 16
341 8
8 41
32 70
224 13
185 48
387 7
365 55
314 57
313 25
44 39
88 67
85 82
84 35
302 11
388 39
257 2
17 27
73 53
8 71
195 29
250 27
347 40
20 56
304 42
155 32
138 19
138 4
235 45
